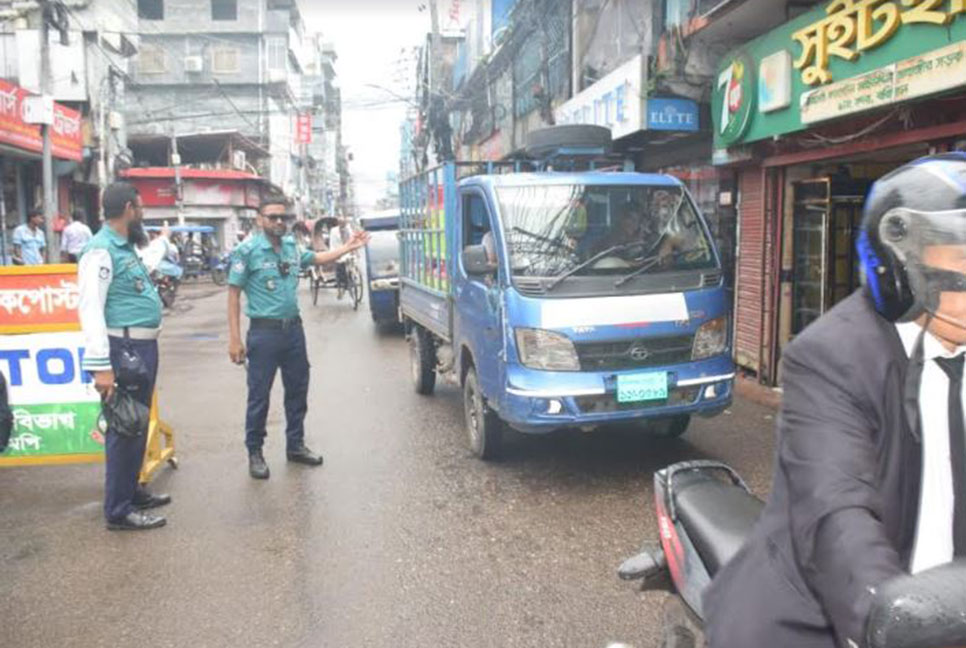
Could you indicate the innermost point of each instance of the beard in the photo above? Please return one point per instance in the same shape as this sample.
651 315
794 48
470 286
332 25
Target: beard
136 235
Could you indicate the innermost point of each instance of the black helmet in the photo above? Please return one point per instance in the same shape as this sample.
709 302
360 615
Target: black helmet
915 206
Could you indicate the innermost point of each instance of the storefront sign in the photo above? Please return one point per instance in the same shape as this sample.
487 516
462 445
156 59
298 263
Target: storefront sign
842 58
850 27
38 298
14 131
55 406
679 115
615 101
303 128
915 77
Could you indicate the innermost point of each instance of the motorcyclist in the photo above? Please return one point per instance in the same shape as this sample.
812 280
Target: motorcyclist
870 478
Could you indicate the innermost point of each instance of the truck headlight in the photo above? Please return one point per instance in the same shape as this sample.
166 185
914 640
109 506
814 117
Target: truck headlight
711 339
546 350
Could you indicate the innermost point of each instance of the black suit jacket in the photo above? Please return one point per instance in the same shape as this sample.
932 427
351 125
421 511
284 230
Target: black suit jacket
843 509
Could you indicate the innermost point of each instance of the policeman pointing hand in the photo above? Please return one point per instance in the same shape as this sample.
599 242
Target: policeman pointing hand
266 268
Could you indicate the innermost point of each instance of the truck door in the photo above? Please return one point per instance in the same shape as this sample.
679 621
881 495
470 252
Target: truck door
478 300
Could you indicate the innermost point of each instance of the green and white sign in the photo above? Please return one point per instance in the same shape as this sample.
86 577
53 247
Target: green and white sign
842 58
54 403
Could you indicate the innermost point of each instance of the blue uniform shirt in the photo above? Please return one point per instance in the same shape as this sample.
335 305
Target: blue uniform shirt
31 244
268 278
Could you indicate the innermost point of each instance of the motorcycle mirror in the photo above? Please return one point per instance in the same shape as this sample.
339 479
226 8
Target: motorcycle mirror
647 564
921 611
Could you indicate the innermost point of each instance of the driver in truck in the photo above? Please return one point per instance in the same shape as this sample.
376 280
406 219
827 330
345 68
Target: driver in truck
870 478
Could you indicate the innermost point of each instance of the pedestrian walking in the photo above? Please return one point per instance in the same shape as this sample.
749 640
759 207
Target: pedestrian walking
120 314
75 238
266 268
29 241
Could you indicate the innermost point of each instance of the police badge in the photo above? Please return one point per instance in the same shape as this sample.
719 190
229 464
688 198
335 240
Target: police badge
271 285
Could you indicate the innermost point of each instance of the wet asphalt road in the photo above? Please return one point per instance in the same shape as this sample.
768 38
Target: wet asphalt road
401 539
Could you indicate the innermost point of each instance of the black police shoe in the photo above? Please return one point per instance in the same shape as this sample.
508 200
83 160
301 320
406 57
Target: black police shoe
137 521
305 456
144 501
257 467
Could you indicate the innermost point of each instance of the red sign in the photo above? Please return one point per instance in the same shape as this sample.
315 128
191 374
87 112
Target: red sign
38 298
303 128
66 135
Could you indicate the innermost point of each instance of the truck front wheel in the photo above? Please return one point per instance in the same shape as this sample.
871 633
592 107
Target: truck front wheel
483 426
673 428
422 358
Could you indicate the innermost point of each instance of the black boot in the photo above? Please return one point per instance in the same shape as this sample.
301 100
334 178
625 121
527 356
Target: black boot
144 500
303 455
257 467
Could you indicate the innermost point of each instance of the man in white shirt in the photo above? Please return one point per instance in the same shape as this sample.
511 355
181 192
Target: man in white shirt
339 236
74 238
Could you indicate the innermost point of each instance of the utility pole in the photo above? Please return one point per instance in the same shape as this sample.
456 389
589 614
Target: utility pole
46 90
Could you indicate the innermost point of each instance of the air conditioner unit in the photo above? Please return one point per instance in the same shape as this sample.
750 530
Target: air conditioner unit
239 160
194 64
277 76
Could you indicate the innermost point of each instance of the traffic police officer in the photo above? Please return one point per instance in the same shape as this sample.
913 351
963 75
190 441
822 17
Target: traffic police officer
120 315
266 268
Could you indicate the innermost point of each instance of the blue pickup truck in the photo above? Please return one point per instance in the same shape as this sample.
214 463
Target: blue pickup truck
563 299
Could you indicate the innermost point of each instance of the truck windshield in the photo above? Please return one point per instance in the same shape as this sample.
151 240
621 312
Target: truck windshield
383 251
586 230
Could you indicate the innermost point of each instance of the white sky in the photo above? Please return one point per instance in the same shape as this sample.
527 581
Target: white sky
370 37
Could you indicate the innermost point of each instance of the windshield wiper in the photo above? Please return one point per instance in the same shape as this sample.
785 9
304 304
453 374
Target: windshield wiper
592 260
649 263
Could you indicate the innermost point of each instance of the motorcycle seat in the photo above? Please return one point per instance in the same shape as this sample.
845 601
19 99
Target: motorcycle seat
717 516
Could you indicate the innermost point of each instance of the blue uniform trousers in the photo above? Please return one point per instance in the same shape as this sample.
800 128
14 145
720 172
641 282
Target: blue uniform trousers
124 455
269 350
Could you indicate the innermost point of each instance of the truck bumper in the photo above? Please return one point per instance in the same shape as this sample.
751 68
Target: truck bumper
542 401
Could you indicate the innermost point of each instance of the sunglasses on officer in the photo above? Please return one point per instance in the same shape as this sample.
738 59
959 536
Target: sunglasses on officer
284 268
280 218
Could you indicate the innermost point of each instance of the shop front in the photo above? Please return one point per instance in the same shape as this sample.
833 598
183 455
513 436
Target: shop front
809 116
21 144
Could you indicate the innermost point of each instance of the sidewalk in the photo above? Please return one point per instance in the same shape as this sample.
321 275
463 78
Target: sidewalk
749 388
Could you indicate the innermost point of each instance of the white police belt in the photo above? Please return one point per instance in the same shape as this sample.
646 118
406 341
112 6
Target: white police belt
135 333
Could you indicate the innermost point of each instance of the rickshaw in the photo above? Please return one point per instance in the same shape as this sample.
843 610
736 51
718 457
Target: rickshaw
325 277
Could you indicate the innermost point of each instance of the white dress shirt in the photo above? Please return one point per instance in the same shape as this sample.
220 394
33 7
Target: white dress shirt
93 279
75 237
934 531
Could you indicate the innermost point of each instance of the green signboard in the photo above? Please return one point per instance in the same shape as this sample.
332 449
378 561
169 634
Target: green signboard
841 58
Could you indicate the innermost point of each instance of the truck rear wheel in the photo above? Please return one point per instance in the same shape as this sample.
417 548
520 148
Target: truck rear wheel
483 426
422 359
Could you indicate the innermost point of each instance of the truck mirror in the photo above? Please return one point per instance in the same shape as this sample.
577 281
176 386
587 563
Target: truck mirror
476 262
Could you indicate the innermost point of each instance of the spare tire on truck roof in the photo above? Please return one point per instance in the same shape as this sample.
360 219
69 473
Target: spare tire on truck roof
546 141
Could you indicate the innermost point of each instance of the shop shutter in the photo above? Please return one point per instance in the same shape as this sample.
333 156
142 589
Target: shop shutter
750 269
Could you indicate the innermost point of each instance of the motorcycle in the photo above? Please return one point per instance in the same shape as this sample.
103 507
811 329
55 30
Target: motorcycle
705 511
167 287
219 269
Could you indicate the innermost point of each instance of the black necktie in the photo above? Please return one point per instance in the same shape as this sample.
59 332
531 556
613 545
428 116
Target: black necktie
957 448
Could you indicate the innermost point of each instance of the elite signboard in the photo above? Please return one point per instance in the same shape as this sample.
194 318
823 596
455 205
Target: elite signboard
841 58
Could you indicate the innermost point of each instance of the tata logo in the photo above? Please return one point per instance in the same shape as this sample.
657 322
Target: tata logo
639 353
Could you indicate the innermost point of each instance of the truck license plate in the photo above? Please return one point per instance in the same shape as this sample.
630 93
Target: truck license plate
635 388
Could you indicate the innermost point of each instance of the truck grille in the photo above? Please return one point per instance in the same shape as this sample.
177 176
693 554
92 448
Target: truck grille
605 403
632 354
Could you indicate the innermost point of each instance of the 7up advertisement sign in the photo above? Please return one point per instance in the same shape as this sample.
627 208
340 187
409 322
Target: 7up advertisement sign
54 403
734 99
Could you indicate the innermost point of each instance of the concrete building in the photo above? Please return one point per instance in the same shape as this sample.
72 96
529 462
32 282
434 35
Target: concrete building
232 65
90 63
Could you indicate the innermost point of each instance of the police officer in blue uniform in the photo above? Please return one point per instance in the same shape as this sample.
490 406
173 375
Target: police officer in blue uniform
266 268
120 315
